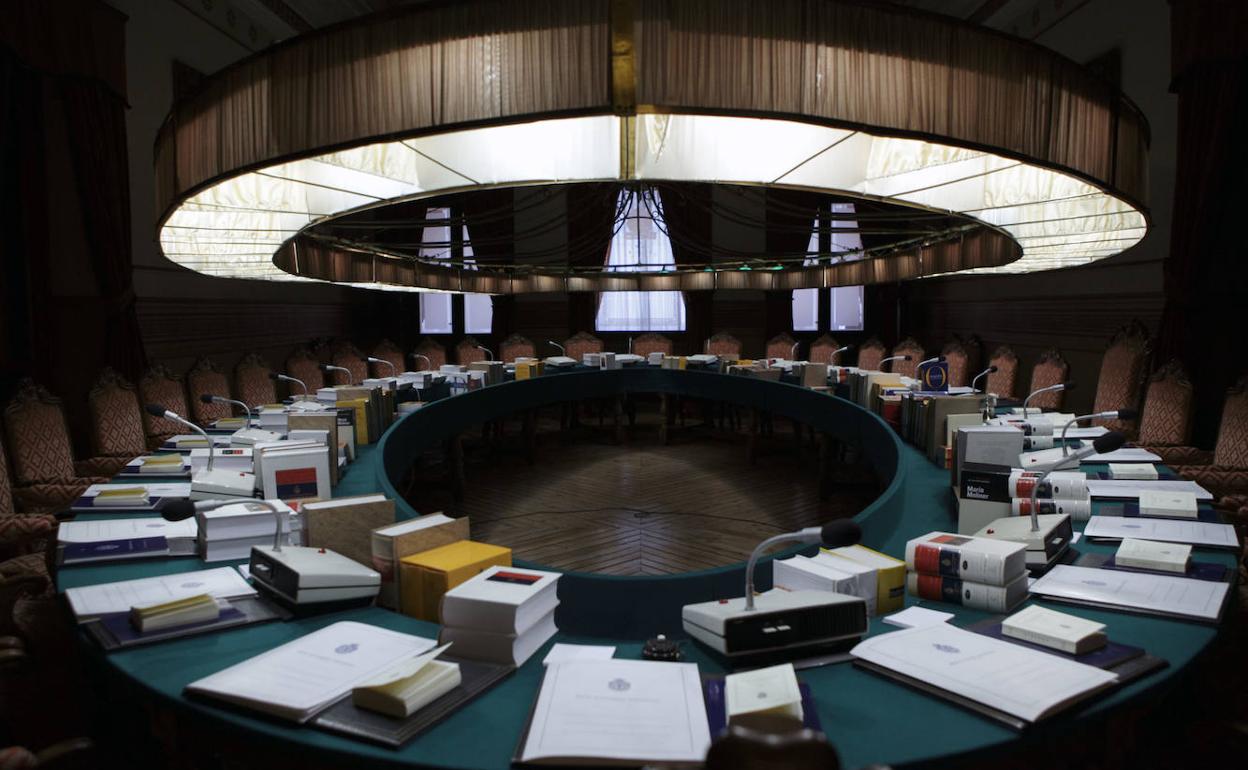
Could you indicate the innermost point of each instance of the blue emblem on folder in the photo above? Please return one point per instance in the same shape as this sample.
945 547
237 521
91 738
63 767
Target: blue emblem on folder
346 649
934 376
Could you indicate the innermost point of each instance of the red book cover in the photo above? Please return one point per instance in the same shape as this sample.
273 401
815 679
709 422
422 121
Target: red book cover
295 482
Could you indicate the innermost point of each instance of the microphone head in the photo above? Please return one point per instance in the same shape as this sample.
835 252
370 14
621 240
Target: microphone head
1068 385
177 510
206 398
274 376
906 358
323 367
841 532
155 410
1127 414
1108 442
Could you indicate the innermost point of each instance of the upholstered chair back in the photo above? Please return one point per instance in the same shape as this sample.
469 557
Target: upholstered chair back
252 384
1049 370
431 350
1003 380
581 343
116 417
974 347
780 346
387 351
6 485
724 345
161 386
870 354
205 378
958 363
516 346
645 344
822 351
468 351
1122 375
1231 451
907 347
303 365
37 436
1167 415
349 357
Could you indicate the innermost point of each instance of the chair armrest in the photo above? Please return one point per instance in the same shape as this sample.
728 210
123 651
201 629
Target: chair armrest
1220 480
1173 454
104 467
23 528
70 753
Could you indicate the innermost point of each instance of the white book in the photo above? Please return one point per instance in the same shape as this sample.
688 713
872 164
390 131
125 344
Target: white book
588 710
296 474
801 573
306 434
1153 554
509 649
1026 684
504 600
104 530
1165 594
242 520
90 602
1128 489
1167 530
1176 504
865 576
300 678
240 548
1058 630
253 436
770 690
1136 471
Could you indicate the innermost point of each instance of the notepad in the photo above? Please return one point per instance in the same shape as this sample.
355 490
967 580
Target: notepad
178 612
411 684
771 690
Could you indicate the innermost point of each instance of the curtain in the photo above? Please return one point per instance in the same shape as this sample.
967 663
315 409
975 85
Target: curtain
640 244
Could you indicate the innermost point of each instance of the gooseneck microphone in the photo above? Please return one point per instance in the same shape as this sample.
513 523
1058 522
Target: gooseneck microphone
210 399
894 358
837 352
287 378
562 351
156 410
793 351
932 360
393 370
422 355
1050 389
178 510
1120 414
834 534
488 353
327 368
1107 443
984 373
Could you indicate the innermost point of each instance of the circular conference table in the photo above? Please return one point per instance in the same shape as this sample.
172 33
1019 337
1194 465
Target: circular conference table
869 719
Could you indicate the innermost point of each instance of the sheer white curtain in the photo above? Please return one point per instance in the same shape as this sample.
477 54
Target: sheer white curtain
640 244
435 309
845 301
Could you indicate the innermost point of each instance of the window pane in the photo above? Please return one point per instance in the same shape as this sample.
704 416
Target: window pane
435 313
640 244
847 308
478 313
806 310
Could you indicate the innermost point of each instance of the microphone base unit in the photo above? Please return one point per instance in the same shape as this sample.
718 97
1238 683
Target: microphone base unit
1045 547
782 625
298 576
223 484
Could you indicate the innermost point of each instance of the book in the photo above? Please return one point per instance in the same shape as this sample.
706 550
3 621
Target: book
1003 486
1136 471
232 459
346 524
1078 510
424 577
229 532
1154 555
969 594
409 686
114 550
981 560
508 649
89 602
80 531
200 608
296 474
771 690
253 436
392 543
1132 489
121 497
890 575
162 464
324 421
503 600
801 573
300 678
863 585
1166 595
1175 504
1059 630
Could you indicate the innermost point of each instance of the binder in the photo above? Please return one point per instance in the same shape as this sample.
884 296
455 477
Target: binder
1199 570
114 632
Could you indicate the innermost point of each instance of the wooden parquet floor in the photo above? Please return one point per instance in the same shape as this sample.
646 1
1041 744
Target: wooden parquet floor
641 508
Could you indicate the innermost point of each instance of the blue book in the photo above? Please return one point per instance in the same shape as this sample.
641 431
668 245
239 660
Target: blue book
114 549
87 503
1107 657
1197 570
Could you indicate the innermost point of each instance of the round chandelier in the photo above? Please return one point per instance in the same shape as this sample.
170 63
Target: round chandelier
1025 160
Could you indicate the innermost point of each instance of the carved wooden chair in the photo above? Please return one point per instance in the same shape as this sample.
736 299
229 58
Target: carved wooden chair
780 346
516 346
724 345
907 347
650 342
469 351
974 347
1227 476
1049 370
46 477
302 364
822 351
870 354
1002 381
252 384
431 350
163 387
1166 420
204 378
581 343
349 357
116 423
388 351
1123 368
958 362
26 539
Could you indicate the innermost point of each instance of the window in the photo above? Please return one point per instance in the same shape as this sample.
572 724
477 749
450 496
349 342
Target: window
435 309
845 302
640 244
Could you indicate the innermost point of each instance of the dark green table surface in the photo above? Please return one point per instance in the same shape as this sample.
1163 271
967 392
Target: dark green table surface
869 719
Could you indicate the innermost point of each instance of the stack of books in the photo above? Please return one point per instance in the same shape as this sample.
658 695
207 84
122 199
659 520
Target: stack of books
977 573
502 615
988 494
228 533
162 465
393 542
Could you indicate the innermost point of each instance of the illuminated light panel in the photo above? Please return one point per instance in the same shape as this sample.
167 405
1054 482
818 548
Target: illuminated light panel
233 227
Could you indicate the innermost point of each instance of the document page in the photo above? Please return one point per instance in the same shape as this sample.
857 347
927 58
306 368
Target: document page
1169 530
1129 488
640 710
104 530
299 678
1182 596
1019 681
91 601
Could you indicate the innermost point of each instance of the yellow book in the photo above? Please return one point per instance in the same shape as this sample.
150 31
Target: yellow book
425 576
890 581
527 370
112 493
360 405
